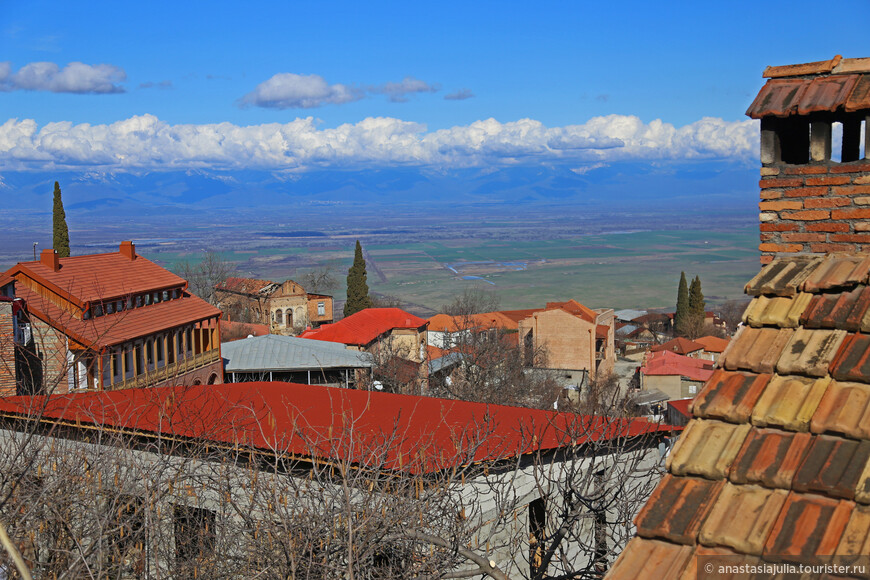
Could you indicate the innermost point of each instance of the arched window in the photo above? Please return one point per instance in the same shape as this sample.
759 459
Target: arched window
279 317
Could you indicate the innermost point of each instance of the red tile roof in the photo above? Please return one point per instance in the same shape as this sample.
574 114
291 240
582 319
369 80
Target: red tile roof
713 343
602 331
681 406
667 363
575 308
120 327
836 85
794 397
422 433
678 345
503 319
229 328
244 285
363 327
95 277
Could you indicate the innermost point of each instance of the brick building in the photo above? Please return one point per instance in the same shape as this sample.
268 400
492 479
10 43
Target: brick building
812 199
577 339
287 308
114 321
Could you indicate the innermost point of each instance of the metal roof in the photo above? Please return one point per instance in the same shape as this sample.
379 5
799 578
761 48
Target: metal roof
273 352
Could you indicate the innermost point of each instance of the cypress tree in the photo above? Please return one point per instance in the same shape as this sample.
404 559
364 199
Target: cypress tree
357 286
681 314
697 305
61 232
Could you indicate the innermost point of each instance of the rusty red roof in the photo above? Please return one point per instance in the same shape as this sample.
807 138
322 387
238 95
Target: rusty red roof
824 86
781 435
365 326
113 329
713 343
414 432
666 363
678 345
244 285
96 277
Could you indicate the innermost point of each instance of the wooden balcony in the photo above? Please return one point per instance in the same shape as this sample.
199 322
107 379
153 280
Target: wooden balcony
156 376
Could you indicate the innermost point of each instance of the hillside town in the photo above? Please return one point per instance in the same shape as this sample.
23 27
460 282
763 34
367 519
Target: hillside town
259 428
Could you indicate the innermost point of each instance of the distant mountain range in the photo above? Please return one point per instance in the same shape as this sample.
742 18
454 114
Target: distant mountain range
702 184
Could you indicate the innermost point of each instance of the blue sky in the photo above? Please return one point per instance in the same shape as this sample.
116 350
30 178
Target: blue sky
166 85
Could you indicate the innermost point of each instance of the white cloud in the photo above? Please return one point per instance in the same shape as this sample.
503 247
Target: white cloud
292 91
76 77
398 92
147 143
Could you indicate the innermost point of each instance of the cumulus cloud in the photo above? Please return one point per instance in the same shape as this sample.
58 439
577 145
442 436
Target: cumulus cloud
76 77
459 95
398 92
292 91
147 143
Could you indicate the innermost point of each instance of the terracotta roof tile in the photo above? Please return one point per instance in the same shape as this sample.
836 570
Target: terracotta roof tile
853 361
838 271
246 285
845 409
96 277
783 276
676 509
729 396
789 402
808 524
833 466
859 100
742 518
678 345
363 327
856 537
756 349
779 98
657 559
781 311
846 310
810 352
807 68
692 572
713 343
826 94
770 458
707 448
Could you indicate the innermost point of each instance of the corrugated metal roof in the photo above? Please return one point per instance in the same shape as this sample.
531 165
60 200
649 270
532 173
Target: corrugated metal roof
273 352
425 433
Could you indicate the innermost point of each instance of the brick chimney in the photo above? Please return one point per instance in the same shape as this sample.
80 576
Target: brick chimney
50 259
812 203
128 249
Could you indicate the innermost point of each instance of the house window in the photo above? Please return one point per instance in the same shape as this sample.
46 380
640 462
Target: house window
693 389
139 365
147 299
149 354
194 535
159 342
165 295
321 309
278 317
98 310
110 307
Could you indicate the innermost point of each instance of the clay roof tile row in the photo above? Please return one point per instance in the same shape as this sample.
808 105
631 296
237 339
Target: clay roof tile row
775 463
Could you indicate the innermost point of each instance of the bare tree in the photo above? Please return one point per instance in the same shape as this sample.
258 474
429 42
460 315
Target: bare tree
104 499
204 274
320 280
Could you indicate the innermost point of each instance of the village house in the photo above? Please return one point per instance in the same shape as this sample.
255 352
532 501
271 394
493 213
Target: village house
113 321
286 307
677 376
775 464
578 341
232 467
395 338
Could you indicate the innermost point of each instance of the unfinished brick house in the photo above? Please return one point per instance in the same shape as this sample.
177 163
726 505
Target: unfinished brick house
578 340
775 465
287 308
115 321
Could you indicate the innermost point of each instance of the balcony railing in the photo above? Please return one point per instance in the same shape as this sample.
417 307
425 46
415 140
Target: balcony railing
155 376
